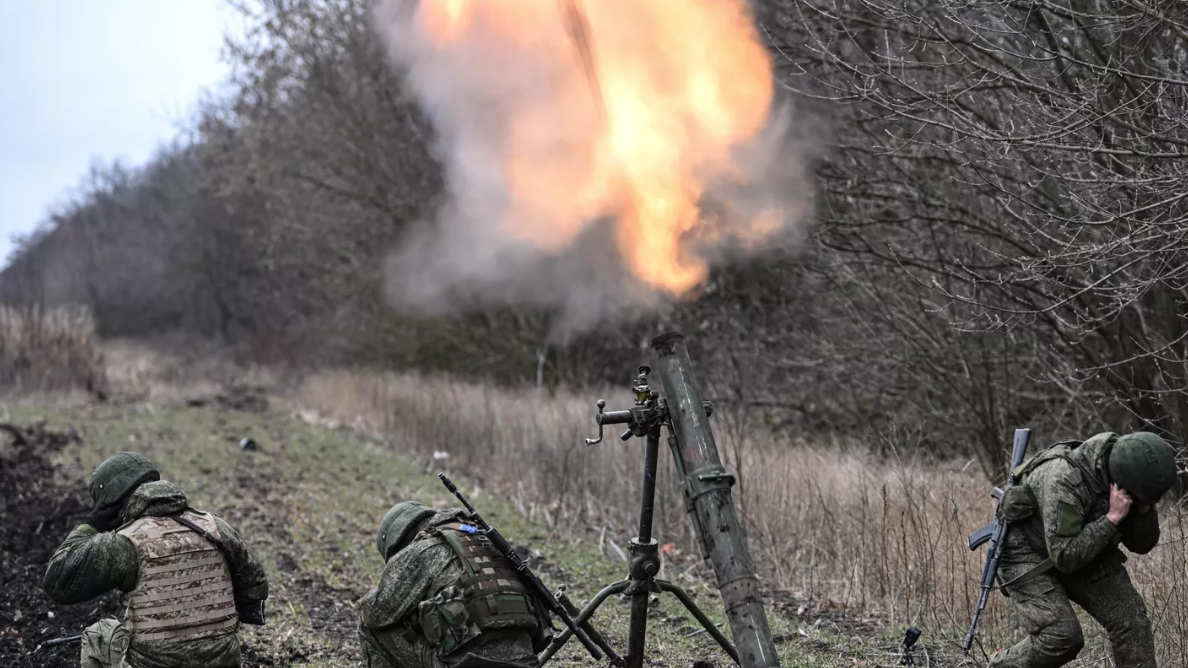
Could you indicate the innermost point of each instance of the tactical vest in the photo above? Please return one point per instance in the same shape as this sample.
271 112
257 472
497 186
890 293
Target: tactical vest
1020 507
1066 450
184 589
488 596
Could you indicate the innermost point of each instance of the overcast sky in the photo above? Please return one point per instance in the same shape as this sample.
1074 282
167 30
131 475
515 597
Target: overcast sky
84 80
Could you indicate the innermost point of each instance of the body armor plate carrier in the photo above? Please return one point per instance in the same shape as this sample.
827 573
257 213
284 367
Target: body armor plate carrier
489 596
184 589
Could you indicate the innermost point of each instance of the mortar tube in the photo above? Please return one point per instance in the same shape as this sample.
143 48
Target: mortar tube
709 485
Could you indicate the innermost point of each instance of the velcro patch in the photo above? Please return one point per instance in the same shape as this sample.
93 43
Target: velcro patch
1070 522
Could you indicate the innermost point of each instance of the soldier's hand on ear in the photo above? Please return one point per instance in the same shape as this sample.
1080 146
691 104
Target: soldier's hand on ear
105 518
1120 503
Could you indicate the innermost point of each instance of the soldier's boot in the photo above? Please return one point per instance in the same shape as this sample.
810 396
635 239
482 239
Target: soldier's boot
1054 635
1111 599
104 645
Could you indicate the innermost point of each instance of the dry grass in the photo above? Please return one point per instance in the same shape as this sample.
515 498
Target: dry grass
49 350
836 527
178 368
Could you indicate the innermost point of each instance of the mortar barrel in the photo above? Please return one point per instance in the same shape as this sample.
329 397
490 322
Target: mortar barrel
709 486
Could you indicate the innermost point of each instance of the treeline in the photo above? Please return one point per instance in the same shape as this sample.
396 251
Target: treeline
1001 226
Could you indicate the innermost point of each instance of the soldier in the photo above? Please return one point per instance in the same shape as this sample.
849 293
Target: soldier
447 598
188 577
1076 503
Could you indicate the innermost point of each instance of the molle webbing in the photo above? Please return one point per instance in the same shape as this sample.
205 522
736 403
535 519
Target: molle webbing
495 597
184 589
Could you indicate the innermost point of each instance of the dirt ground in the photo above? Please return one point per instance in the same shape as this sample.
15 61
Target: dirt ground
308 500
37 512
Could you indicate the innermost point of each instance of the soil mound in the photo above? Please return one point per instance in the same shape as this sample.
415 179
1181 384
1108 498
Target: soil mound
36 513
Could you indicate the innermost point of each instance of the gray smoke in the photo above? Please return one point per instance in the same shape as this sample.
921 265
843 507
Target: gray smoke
492 98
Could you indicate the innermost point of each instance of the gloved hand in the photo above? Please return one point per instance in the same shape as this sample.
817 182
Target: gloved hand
106 518
251 613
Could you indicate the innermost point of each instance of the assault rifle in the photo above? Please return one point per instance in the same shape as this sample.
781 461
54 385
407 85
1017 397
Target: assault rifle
995 532
542 592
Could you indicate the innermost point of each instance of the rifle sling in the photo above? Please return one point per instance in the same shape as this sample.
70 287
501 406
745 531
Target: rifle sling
202 532
1037 570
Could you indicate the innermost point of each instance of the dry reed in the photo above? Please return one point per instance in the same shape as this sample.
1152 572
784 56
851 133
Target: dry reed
49 349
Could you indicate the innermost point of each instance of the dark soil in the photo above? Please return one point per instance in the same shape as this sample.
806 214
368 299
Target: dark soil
36 514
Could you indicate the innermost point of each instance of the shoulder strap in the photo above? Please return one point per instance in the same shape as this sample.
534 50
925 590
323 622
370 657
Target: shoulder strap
1036 570
248 613
1081 465
205 534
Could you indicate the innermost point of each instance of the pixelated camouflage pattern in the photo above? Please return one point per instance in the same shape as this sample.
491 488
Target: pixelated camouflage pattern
89 563
1089 567
417 573
104 645
184 590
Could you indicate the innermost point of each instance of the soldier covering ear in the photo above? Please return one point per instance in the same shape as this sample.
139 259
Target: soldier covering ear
188 578
1074 506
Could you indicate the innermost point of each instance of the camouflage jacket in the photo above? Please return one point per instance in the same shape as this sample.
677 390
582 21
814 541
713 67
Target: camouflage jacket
90 563
415 574
1071 502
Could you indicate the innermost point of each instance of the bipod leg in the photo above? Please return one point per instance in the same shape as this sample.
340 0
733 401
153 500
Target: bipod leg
664 585
582 618
586 626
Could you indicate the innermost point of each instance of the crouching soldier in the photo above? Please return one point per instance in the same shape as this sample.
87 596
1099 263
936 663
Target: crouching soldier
447 598
188 577
1075 504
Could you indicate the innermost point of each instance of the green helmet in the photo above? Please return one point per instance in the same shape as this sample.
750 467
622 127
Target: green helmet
400 525
1143 464
118 476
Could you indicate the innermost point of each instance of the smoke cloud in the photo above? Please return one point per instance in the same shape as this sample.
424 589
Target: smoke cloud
601 184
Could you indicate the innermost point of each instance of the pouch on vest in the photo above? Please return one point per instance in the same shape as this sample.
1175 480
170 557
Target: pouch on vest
495 597
1018 504
446 622
104 645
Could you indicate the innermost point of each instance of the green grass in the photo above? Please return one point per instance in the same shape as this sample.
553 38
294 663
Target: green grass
309 502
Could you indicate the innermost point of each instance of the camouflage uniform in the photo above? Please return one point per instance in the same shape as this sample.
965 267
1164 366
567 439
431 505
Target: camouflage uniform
422 573
1067 492
91 562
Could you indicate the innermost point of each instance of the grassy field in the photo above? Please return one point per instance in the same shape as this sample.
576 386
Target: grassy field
310 498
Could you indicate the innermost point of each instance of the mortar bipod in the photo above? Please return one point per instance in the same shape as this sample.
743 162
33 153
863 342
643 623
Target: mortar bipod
645 419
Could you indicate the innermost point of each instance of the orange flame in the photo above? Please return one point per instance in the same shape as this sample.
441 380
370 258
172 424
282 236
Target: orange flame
682 83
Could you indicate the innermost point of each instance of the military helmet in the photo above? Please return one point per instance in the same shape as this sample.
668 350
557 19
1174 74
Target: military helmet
1143 464
399 526
118 476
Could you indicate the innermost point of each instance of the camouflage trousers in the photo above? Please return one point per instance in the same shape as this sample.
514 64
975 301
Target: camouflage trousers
104 645
1055 638
391 649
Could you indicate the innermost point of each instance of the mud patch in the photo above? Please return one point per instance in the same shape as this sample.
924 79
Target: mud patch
37 514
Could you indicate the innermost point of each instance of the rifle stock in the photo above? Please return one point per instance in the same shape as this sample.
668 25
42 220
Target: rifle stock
994 533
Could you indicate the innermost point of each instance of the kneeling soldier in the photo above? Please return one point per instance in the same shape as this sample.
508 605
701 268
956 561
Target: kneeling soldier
447 598
1076 503
188 578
